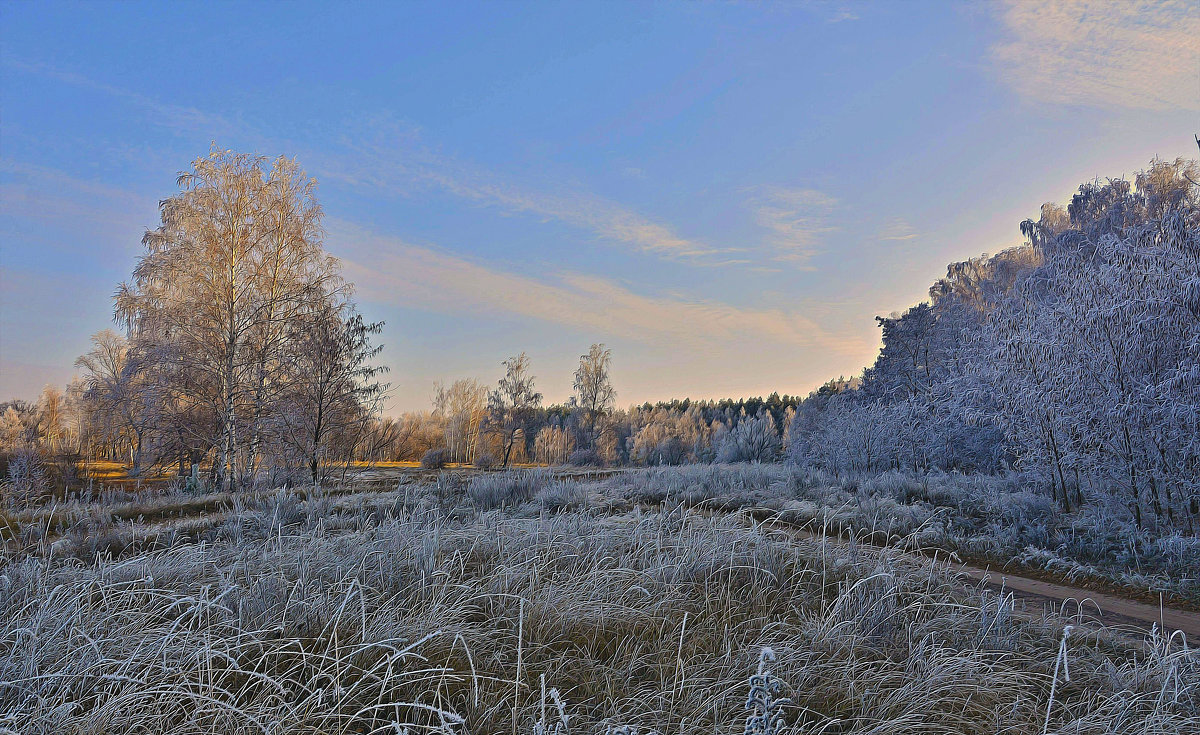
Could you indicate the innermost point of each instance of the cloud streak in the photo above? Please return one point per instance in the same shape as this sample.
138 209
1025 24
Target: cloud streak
390 271
174 117
897 229
1143 55
403 163
46 194
795 220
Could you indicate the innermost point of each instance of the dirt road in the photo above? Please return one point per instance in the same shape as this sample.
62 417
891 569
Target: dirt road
1083 605
1086 605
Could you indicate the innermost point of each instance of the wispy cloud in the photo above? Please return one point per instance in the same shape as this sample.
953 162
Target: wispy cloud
175 117
49 195
897 229
1101 53
402 164
387 270
795 219
391 156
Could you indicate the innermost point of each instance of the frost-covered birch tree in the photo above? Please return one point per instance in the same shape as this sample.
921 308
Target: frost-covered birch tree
514 404
594 393
235 262
1073 358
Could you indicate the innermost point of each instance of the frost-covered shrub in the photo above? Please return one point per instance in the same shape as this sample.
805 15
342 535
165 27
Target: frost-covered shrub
485 461
562 495
669 451
1025 507
435 459
585 458
287 509
27 476
752 440
898 486
95 537
512 487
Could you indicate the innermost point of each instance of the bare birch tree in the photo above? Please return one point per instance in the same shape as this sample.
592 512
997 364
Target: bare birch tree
332 390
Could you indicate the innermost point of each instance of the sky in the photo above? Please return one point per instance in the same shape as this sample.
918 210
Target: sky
725 194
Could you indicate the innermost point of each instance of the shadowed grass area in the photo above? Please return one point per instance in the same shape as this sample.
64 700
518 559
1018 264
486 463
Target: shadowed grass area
987 518
336 615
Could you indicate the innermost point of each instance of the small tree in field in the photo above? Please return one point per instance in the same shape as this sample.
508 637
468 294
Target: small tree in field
332 390
752 440
514 403
123 400
594 394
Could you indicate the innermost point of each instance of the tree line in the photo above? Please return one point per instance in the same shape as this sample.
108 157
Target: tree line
1073 358
242 360
473 424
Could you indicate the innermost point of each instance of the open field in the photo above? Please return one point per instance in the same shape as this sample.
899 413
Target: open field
443 601
990 523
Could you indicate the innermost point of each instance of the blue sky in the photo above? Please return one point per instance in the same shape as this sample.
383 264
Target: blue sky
724 193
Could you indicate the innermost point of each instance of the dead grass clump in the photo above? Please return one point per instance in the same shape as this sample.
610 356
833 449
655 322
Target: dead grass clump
500 489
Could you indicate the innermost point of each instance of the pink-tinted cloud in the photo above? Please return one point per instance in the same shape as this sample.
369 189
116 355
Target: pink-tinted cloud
1127 53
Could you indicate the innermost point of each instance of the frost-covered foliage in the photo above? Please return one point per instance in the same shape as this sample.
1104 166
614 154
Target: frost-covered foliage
1075 358
751 440
763 702
389 613
667 437
27 476
992 518
506 488
1097 353
435 459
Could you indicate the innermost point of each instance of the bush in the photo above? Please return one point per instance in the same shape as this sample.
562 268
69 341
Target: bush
562 496
67 469
485 461
435 459
27 476
585 458
506 488
752 440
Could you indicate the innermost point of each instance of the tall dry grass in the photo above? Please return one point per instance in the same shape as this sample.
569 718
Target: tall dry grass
996 518
399 613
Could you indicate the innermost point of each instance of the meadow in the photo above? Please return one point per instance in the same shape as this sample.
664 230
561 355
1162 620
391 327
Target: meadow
536 601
